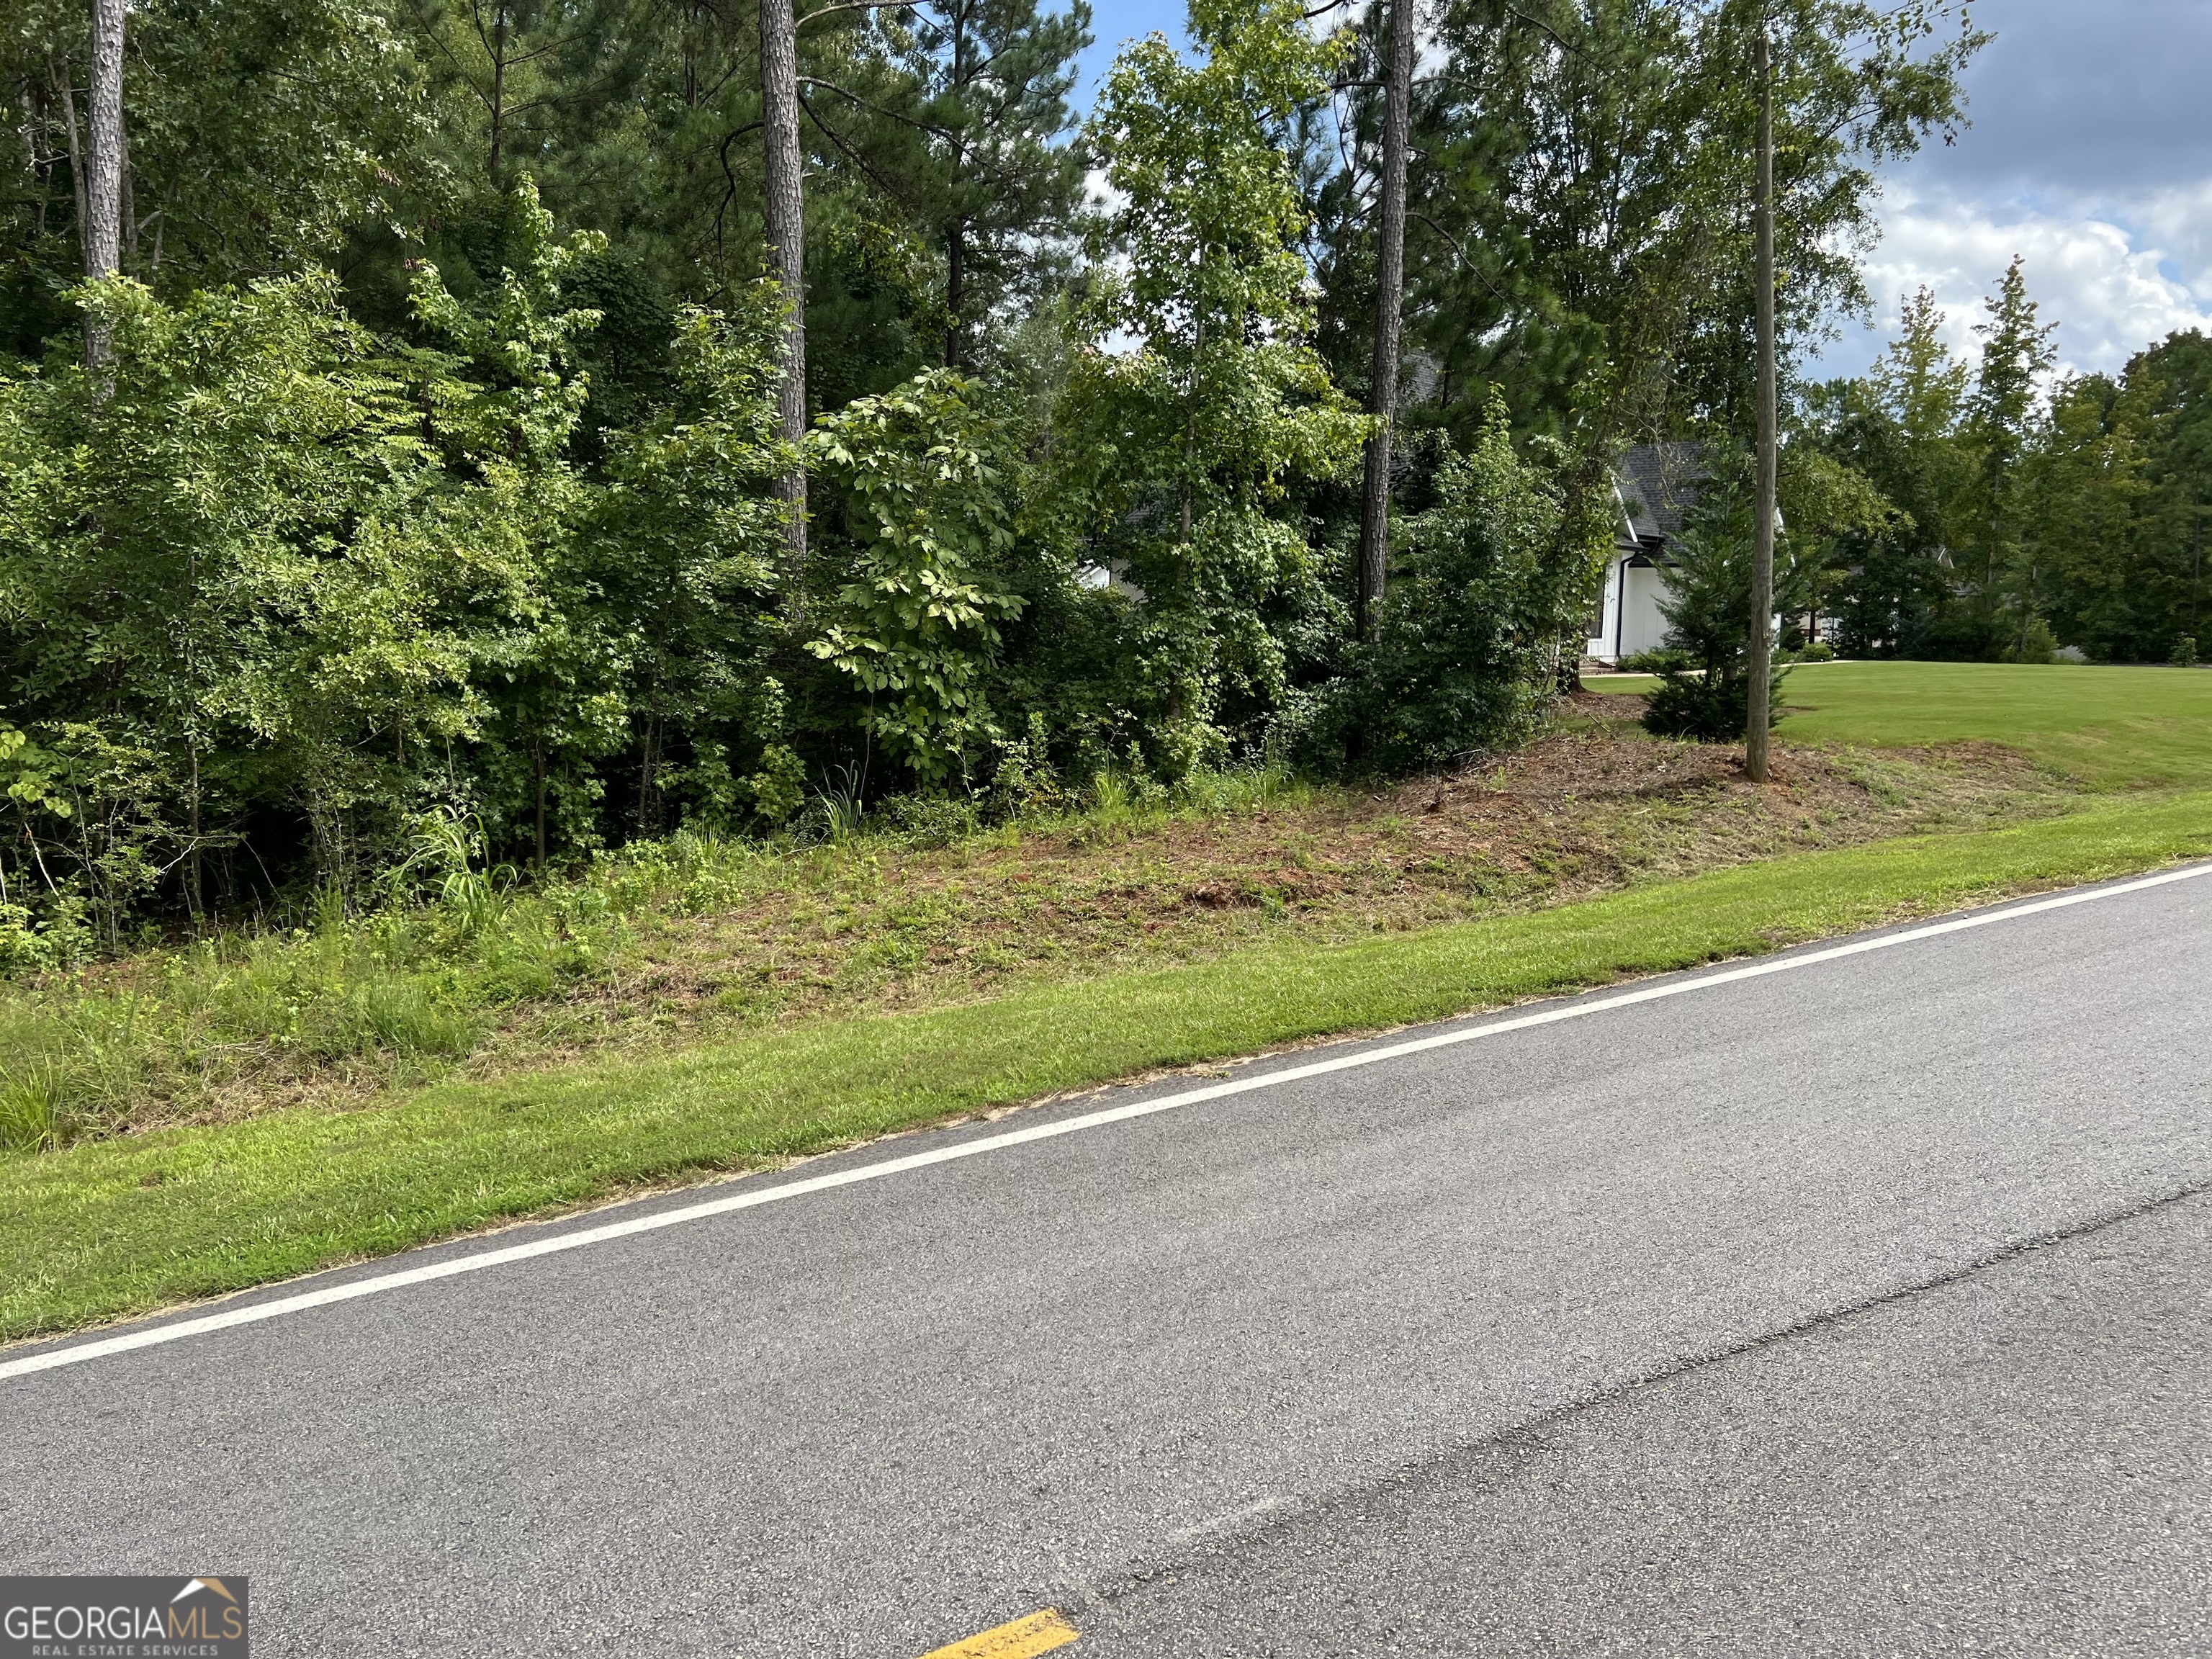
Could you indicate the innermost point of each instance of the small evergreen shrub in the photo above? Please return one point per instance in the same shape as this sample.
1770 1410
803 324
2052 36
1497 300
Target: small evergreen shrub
2034 643
1704 691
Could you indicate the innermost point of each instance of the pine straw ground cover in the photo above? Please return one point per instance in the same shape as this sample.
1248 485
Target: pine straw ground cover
696 940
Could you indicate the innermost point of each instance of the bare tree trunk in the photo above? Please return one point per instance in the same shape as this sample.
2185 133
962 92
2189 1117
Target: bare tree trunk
103 230
498 89
36 160
955 237
786 214
1762 565
1390 307
62 73
955 285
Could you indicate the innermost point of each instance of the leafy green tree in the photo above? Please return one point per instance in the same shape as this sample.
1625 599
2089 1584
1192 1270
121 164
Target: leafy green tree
916 627
2168 590
683 546
1704 667
1181 449
1900 427
516 77
1579 236
168 554
256 133
267 563
1465 657
2083 481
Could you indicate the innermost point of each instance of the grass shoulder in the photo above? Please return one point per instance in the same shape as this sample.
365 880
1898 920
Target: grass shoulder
111 1226
693 941
187 1123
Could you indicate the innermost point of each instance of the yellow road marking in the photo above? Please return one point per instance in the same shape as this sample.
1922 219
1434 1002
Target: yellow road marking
1041 1632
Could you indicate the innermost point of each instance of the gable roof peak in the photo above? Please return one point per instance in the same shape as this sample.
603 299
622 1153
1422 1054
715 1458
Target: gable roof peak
1658 485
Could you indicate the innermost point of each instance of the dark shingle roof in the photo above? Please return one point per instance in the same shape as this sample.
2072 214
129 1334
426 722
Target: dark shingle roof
1658 483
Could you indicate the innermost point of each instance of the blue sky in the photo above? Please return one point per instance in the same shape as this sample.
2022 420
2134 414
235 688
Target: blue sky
2090 155
1115 20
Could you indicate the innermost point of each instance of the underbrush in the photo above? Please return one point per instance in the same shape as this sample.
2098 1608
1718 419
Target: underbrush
921 904
371 1001
349 1003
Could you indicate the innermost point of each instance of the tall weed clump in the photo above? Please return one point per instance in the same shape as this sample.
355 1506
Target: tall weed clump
401 992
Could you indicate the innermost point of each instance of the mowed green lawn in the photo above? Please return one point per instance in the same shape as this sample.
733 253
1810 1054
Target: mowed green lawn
2110 727
107 1228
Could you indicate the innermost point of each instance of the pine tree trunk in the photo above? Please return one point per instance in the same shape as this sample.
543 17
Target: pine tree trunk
103 229
1762 565
1390 308
956 283
955 237
786 214
498 92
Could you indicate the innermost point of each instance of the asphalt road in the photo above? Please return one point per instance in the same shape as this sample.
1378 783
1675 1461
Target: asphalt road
1862 1308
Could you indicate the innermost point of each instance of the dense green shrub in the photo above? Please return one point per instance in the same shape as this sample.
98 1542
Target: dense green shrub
315 582
1706 709
273 586
1468 644
916 625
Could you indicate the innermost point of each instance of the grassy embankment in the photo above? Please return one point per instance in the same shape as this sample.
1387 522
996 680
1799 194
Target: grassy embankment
1458 895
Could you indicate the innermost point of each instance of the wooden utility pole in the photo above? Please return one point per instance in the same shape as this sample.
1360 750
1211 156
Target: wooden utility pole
1762 563
1390 307
103 196
786 214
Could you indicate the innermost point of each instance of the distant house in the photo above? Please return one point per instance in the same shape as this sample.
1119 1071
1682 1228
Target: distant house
1655 484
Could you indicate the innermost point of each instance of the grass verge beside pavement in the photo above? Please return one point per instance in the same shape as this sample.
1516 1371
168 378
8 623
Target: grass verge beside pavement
107 1228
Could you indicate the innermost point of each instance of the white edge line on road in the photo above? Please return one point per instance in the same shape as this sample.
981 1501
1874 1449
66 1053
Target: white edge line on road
555 1244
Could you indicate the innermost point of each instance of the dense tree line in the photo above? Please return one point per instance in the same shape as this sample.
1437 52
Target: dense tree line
585 418
2025 515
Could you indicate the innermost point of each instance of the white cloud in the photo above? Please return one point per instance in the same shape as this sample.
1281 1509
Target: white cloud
2114 278
1099 194
2178 220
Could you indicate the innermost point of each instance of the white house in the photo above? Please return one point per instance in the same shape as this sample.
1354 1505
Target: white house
1655 484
